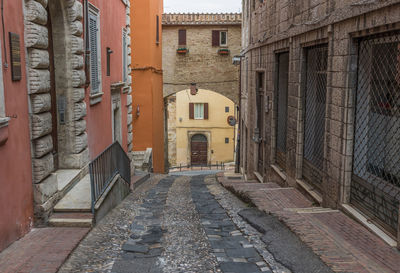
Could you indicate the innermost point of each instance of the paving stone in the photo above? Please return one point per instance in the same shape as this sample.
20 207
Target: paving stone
129 247
242 253
239 267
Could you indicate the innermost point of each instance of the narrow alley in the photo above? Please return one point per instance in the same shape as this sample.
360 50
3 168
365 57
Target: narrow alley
181 224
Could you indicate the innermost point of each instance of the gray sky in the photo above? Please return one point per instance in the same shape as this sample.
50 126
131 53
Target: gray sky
199 6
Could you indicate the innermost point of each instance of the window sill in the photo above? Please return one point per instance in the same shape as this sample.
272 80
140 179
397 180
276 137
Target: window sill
96 98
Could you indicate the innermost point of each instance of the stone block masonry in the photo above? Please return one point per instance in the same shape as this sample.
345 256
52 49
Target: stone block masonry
274 27
201 64
66 35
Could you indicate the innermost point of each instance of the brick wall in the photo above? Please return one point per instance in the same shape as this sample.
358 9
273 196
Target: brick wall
291 26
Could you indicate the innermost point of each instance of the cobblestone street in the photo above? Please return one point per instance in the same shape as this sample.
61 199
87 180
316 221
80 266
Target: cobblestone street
176 224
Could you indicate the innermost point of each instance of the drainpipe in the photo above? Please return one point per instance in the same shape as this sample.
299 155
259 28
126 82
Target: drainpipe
4 35
239 111
87 45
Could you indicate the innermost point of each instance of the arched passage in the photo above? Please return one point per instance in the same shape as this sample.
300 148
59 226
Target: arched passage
201 118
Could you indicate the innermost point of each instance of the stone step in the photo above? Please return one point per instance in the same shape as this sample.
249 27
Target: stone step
78 199
71 220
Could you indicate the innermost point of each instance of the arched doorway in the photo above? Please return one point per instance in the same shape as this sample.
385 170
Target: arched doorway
199 150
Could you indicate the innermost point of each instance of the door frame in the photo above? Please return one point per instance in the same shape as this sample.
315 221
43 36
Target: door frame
190 134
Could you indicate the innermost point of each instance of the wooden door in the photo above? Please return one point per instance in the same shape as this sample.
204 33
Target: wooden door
199 150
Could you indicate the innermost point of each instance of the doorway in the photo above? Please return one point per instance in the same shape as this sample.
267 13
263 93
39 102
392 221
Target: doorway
199 150
260 121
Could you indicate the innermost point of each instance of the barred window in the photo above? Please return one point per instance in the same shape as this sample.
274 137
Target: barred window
375 187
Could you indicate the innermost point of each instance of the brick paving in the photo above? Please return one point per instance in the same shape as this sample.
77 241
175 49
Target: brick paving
43 250
338 240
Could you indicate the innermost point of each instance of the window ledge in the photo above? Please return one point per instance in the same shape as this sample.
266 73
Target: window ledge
96 98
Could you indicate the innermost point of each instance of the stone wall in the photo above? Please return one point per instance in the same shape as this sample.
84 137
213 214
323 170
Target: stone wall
291 26
202 64
171 121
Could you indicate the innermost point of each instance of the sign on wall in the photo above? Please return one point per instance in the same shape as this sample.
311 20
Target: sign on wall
15 51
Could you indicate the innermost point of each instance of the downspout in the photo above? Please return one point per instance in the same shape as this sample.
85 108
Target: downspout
239 110
87 45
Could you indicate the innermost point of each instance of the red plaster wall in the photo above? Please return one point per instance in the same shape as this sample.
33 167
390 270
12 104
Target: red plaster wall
99 123
16 201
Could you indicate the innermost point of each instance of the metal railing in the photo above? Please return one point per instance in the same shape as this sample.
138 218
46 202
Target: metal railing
105 167
217 166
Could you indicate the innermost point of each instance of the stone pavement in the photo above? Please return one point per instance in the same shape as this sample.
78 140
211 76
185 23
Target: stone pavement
339 241
43 250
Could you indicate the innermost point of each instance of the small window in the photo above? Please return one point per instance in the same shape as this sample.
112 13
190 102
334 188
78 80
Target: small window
94 43
223 38
182 37
227 140
199 111
227 109
219 38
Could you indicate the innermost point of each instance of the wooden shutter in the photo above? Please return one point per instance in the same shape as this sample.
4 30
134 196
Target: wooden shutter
182 37
191 110
94 55
124 57
215 38
205 110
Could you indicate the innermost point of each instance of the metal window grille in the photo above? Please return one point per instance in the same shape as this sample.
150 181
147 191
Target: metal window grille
94 54
282 101
315 107
375 187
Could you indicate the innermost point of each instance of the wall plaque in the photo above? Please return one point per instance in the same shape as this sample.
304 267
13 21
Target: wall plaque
15 51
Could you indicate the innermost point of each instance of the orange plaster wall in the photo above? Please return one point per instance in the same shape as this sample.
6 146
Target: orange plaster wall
147 80
99 124
16 198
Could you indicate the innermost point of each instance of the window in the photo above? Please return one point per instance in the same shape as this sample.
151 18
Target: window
223 41
158 30
95 55
219 38
227 140
375 187
227 109
198 110
124 56
182 37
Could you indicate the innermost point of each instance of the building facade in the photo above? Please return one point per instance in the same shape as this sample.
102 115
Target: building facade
198 49
147 75
320 98
65 100
199 132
